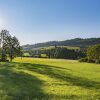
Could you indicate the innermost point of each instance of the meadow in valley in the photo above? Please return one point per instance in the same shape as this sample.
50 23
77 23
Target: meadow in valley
49 49
49 79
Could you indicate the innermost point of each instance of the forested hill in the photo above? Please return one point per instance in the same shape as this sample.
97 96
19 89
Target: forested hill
77 42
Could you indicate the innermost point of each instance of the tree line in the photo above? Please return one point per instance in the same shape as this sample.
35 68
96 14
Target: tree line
58 53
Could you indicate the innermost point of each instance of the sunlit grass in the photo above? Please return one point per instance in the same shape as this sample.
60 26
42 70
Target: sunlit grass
43 79
52 47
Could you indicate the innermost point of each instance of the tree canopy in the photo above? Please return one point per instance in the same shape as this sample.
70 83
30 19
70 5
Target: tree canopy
10 46
93 53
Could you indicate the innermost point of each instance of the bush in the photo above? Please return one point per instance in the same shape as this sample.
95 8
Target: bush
83 59
93 53
97 61
4 60
90 61
44 56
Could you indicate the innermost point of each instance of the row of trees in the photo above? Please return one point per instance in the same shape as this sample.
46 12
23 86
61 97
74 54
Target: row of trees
58 53
9 46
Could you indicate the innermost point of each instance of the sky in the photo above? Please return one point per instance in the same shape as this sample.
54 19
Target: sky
35 21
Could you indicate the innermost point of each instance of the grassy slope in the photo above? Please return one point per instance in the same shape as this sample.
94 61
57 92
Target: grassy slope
49 79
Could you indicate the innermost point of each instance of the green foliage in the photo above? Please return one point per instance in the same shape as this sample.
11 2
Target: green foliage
26 55
93 53
97 61
9 46
83 59
58 52
44 56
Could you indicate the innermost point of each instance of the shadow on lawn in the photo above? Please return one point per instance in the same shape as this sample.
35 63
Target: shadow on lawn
23 86
18 85
55 72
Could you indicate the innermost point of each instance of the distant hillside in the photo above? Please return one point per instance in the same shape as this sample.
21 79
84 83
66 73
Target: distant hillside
77 42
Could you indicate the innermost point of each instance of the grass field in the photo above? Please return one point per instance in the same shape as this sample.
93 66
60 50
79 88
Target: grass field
52 47
49 79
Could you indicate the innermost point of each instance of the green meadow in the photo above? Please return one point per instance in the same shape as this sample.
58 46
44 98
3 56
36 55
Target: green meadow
52 47
49 79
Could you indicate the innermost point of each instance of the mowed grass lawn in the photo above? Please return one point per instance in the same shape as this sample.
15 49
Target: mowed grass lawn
49 79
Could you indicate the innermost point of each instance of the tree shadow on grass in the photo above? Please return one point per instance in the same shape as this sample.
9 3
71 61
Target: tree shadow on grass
58 74
19 85
23 86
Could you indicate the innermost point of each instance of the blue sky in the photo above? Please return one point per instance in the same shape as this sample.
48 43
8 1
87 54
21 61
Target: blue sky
34 21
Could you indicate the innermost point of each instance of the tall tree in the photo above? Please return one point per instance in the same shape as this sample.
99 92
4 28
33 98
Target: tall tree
3 43
13 47
9 45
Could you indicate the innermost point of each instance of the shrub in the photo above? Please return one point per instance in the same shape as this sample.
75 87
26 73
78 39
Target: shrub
93 53
97 61
83 59
4 60
90 61
44 56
